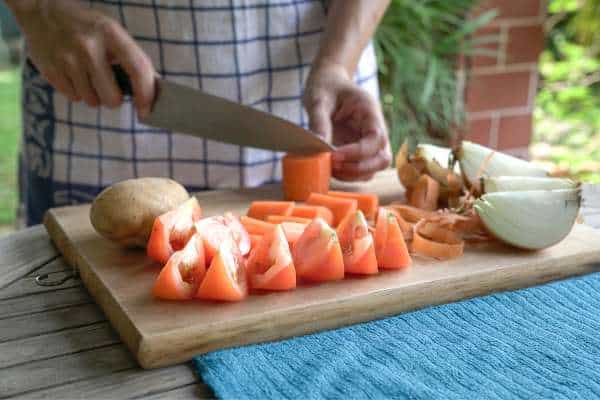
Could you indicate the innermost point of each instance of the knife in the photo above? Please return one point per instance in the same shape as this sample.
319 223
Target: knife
186 110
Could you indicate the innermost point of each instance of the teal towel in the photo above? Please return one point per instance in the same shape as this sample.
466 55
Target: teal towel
537 343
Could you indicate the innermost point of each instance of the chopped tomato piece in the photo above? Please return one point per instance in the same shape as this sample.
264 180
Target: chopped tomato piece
292 231
225 279
317 254
215 230
305 174
180 278
270 265
256 226
278 219
390 247
240 235
357 245
172 230
262 209
312 212
368 203
338 206
254 241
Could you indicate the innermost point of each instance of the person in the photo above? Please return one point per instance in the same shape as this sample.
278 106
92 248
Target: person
309 61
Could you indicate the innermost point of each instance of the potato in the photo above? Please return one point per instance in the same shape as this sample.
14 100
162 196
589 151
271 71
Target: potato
125 211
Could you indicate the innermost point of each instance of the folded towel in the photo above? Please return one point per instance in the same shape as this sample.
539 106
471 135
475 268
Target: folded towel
541 342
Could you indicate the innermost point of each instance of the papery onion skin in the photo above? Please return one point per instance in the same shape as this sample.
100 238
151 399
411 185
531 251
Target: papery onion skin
520 183
532 220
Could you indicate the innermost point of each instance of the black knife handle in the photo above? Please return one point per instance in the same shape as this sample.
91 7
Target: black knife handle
122 80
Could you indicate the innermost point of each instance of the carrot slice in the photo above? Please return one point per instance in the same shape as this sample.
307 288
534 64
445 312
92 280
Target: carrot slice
270 265
432 240
256 226
305 174
390 247
366 202
339 207
225 279
425 194
312 212
278 219
261 209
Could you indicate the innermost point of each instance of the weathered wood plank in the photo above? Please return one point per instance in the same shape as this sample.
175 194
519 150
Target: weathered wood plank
24 251
188 392
50 321
56 269
125 384
44 302
55 344
61 370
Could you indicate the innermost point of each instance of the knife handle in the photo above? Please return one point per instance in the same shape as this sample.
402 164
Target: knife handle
122 80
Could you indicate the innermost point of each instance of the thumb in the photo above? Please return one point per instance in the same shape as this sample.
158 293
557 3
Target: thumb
319 111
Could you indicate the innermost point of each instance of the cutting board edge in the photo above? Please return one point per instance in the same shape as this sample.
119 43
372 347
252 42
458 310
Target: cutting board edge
157 350
126 329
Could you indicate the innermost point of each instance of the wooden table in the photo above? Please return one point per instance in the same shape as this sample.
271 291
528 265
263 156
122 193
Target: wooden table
56 343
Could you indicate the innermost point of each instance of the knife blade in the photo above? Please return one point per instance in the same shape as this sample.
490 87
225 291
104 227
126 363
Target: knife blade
186 110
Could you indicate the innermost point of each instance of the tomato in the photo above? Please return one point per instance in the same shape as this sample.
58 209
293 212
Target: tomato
317 254
270 265
240 235
390 247
225 279
357 244
215 230
292 231
172 230
181 277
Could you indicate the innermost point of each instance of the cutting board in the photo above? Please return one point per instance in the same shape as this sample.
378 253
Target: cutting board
160 333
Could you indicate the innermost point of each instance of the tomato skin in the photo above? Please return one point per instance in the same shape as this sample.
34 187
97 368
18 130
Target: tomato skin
270 266
390 247
357 245
226 278
172 230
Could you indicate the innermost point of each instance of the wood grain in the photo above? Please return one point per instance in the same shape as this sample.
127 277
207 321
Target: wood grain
23 252
162 333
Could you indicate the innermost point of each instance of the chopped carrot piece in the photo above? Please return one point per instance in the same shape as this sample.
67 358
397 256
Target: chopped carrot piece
312 212
366 202
256 226
305 174
425 194
277 219
434 241
261 209
339 207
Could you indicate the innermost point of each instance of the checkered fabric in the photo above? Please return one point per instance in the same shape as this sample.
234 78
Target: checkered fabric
256 52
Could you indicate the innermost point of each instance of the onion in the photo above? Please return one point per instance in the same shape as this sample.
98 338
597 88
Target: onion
530 219
476 161
519 183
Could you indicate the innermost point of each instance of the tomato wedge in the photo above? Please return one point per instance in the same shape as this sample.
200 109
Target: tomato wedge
215 230
240 235
172 230
292 231
317 254
270 266
256 226
254 241
225 279
357 245
180 278
390 247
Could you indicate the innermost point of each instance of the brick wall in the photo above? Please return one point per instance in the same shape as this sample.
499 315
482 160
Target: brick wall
501 89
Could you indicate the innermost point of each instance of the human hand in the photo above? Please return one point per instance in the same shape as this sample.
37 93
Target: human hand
73 47
349 117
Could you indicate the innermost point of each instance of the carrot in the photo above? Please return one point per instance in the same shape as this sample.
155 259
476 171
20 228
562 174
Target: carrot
305 174
312 212
338 206
278 219
256 226
368 203
434 241
425 194
260 209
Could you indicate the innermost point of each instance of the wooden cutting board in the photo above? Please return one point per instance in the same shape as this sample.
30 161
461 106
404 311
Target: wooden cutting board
161 333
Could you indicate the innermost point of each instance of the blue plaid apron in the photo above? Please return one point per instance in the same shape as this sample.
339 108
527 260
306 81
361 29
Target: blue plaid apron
254 52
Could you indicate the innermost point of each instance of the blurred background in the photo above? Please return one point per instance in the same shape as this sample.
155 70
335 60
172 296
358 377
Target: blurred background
522 76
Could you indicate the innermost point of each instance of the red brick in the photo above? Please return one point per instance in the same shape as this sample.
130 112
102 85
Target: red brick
513 8
525 44
497 91
514 131
478 131
481 60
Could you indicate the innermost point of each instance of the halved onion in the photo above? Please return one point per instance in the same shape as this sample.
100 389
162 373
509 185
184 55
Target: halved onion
519 183
476 161
531 219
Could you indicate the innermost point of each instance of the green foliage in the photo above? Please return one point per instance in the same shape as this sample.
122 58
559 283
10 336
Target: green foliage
10 123
417 45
